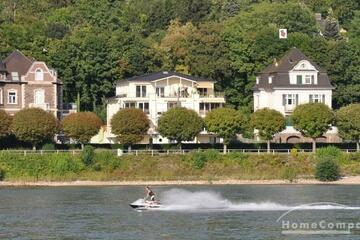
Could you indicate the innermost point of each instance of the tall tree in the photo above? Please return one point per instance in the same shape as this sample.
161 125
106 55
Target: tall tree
312 120
268 122
348 123
225 123
180 124
130 125
5 123
34 125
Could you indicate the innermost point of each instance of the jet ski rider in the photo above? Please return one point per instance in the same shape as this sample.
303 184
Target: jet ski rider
149 194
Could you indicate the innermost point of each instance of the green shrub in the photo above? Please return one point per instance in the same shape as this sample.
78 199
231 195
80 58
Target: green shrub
48 147
106 160
238 156
327 170
329 152
87 155
198 160
212 154
289 173
2 174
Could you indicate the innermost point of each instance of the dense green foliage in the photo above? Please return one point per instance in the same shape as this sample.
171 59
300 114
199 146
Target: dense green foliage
81 126
268 122
5 123
94 43
348 123
329 152
327 170
87 155
180 124
312 120
225 123
34 125
130 125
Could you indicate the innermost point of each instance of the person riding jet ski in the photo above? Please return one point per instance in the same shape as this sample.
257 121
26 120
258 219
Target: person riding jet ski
149 194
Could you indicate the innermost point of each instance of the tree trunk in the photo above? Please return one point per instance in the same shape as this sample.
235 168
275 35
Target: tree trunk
313 145
358 146
180 145
268 146
225 148
129 148
82 146
34 147
78 102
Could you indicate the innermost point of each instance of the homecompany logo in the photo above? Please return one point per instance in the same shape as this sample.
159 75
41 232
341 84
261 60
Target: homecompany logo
320 227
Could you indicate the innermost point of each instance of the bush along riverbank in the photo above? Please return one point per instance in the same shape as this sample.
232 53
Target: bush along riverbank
327 165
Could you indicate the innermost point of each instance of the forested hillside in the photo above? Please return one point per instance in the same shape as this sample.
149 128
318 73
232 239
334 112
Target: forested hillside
93 43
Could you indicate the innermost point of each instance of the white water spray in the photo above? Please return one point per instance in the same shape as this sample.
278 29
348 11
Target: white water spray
183 200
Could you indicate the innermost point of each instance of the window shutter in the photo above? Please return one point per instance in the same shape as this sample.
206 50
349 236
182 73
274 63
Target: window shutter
299 79
323 98
310 98
284 99
296 99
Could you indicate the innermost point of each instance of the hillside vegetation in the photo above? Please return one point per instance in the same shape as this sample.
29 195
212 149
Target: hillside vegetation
94 43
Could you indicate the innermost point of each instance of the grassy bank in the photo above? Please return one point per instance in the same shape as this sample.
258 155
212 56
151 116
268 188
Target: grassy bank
207 165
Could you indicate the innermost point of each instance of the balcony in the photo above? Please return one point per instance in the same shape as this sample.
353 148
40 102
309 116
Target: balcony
43 106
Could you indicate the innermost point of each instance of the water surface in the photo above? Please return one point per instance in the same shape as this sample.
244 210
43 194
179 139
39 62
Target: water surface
191 212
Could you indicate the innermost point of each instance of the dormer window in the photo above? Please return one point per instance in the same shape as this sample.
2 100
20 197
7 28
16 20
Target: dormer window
308 79
15 76
299 79
39 75
271 79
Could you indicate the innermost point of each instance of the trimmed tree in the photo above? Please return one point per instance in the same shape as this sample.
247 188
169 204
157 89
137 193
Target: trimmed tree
130 125
5 124
312 120
34 125
348 123
268 122
81 126
225 123
180 124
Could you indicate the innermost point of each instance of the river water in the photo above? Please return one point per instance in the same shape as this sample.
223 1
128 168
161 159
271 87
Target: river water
189 212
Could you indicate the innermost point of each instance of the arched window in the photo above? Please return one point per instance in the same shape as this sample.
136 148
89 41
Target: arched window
39 75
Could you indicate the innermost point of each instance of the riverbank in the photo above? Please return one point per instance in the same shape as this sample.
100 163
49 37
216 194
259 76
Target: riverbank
353 180
201 167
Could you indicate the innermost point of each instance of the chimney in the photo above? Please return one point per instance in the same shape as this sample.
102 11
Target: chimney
275 62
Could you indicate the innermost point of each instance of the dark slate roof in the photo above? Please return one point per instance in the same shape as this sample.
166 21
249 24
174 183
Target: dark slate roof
280 72
164 74
17 62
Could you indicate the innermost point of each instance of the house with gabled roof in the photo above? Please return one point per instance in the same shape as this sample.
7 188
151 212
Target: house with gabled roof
286 83
27 83
158 92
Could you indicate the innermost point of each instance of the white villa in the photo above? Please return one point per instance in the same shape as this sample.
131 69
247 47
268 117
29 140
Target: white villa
156 93
293 80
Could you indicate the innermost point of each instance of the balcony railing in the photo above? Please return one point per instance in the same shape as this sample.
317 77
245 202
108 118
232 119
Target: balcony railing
44 106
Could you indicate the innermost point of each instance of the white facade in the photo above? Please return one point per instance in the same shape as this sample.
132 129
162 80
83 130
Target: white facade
283 93
156 96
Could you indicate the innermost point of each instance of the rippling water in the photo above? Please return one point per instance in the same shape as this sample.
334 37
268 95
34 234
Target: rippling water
190 212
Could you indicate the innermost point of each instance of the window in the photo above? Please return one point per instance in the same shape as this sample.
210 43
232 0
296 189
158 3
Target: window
144 106
12 97
202 91
39 96
130 105
141 91
1 97
39 75
206 107
15 76
317 98
160 91
299 79
308 79
270 79
290 99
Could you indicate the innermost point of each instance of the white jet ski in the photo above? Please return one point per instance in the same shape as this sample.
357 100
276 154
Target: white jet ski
142 204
